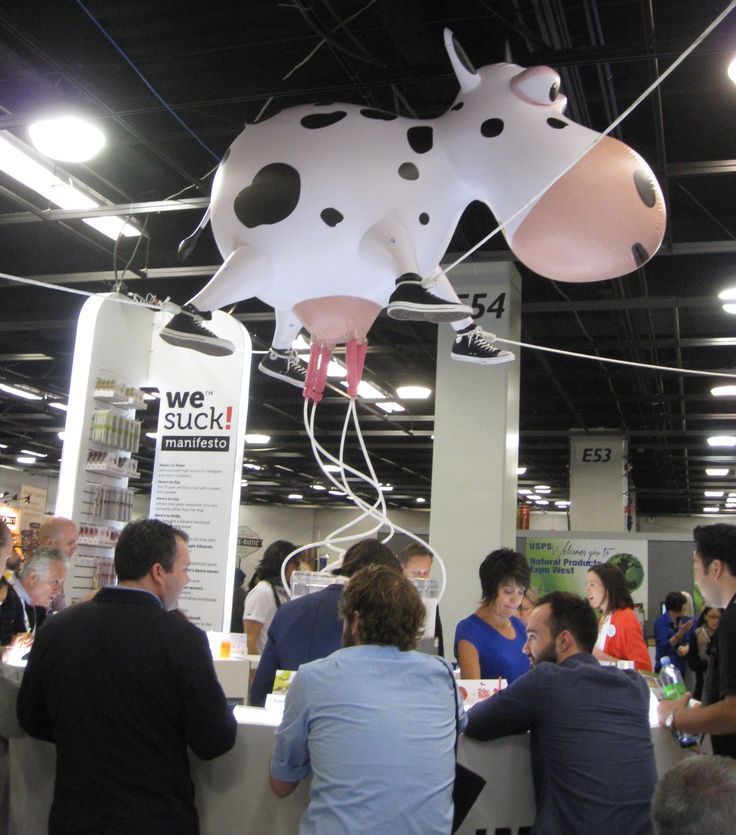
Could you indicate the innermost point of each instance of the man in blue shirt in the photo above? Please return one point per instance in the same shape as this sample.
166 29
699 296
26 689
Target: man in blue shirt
592 755
672 632
375 723
309 627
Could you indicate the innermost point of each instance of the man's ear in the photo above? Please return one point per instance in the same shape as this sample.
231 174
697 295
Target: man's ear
564 642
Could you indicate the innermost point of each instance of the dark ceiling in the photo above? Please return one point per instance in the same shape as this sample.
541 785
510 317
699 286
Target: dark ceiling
147 69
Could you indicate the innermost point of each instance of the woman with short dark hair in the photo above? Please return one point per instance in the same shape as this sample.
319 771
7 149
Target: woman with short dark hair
489 644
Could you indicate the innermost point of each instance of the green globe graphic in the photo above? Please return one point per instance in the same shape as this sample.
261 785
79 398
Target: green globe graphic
632 569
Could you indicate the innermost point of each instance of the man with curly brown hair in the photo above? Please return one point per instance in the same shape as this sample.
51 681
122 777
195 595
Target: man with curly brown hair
375 722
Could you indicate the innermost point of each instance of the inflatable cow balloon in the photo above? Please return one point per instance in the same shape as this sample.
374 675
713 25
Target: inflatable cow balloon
331 212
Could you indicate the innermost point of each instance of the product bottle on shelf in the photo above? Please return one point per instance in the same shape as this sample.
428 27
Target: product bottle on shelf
673 687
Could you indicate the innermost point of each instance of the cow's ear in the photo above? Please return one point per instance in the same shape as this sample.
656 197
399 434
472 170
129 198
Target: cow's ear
466 73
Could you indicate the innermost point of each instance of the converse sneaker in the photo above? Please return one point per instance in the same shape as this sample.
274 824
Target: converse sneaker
412 301
476 345
185 330
284 365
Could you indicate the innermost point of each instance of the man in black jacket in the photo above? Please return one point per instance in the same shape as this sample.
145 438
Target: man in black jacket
122 685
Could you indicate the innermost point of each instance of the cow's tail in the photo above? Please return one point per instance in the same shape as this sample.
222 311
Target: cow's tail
188 244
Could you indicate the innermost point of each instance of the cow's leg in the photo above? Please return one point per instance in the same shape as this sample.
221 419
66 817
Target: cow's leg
388 241
281 360
241 276
471 342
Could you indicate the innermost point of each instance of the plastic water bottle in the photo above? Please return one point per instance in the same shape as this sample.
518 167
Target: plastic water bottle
673 687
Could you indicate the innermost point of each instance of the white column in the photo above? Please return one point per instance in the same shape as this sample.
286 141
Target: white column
598 481
476 442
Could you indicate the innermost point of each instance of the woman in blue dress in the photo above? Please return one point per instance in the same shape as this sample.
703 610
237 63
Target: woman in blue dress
489 644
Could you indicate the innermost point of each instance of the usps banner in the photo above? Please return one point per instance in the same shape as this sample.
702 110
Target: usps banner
199 460
561 564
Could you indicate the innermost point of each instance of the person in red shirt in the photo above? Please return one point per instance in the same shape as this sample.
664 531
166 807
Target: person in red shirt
620 636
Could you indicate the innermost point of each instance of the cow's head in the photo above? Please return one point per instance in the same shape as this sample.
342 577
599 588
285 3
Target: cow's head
590 220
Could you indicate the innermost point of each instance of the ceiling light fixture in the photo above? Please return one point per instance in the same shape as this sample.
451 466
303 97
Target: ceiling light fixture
723 391
711 510
716 471
26 394
26 459
390 406
318 487
34 453
367 391
255 438
542 488
521 471
57 404
713 494
20 162
413 392
420 500
722 440
332 468
295 496
524 491
67 138
732 70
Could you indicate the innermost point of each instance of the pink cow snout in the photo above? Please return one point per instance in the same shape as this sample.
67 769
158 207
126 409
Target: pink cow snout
604 218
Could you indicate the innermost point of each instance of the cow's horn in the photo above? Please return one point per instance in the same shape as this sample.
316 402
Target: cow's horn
464 69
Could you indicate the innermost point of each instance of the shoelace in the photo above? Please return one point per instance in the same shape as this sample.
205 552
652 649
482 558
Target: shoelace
294 362
479 338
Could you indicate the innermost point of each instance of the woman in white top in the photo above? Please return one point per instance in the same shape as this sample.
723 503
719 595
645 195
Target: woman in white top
263 600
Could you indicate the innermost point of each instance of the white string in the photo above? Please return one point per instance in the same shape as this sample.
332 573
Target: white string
667 368
369 511
432 279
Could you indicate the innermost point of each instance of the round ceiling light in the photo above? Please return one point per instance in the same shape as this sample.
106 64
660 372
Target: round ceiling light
67 138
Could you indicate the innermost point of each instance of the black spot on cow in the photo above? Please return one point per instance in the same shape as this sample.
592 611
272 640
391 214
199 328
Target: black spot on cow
645 187
421 139
424 218
408 171
224 158
491 128
322 120
458 106
641 256
557 124
272 196
382 115
331 216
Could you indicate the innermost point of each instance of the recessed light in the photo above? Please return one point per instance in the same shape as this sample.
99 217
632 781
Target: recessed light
390 406
67 138
413 392
19 392
255 438
722 440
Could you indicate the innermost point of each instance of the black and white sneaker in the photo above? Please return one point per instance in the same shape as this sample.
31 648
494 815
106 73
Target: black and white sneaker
185 330
284 365
411 301
476 345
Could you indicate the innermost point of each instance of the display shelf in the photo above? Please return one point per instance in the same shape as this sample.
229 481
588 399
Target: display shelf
97 536
116 393
112 471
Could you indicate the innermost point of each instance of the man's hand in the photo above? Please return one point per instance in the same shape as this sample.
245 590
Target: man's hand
683 650
667 706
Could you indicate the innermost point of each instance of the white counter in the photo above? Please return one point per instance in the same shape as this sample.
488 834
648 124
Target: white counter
233 796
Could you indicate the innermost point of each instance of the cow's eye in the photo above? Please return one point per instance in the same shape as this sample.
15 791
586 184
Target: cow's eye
537 85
